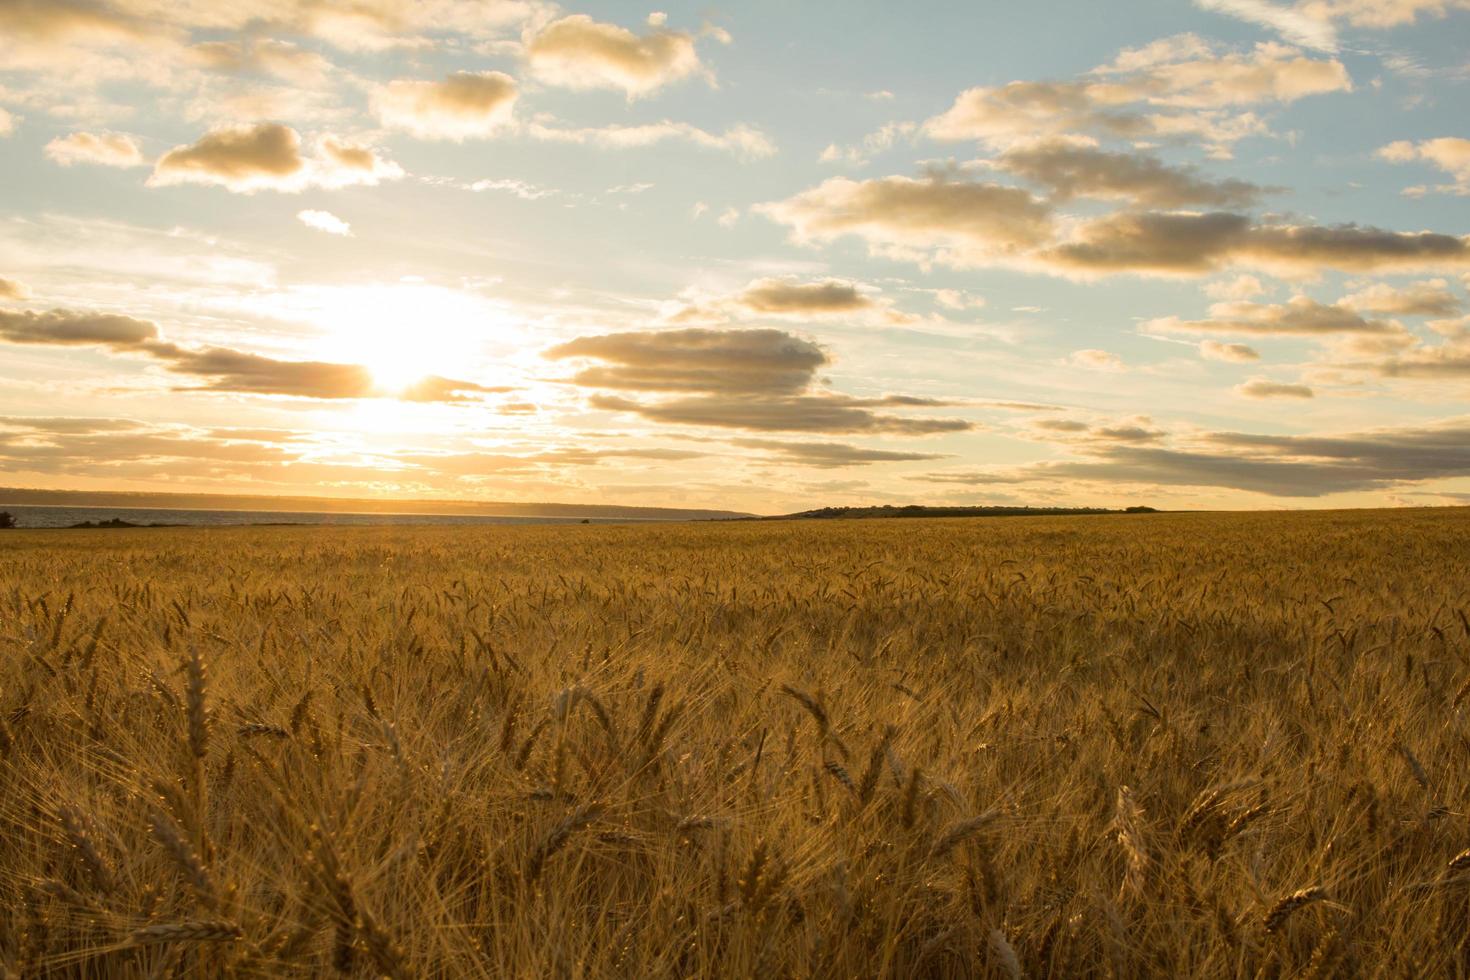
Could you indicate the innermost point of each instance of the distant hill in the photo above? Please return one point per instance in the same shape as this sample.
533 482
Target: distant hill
914 510
348 505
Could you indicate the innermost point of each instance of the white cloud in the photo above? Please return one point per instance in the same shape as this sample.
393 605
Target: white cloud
580 53
1449 153
102 149
1214 350
465 105
743 141
324 221
268 156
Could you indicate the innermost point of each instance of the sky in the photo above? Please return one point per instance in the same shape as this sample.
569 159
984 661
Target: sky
762 256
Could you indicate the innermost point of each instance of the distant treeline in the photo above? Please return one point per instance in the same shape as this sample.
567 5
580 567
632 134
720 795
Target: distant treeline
916 510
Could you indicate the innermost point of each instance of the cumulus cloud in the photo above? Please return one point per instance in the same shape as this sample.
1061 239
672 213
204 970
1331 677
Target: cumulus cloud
75 328
793 299
1240 287
465 105
580 53
103 149
1429 298
831 455
760 362
1300 316
268 156
1188 243
1072 167
223 368
281 59
741 140
324 221
13 289
1214 350
746 379
954 221
1449 153
1266 388
1177 86
789 296
7 123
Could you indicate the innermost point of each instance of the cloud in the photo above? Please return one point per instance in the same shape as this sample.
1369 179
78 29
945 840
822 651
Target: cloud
103 149
281 59
72 328
793 299
1097 360
957 222
1240 287
796 413
1429 298
1291 23
580 53
1177 86
13 289
788 296
831 455
267 156
1214 350
761 362
1449 153
1187 243
464 105
1300 316
746 379
1276 465
1060 425
7 123
324 221
744 141
1070 168
1312 23
226 369
1265 388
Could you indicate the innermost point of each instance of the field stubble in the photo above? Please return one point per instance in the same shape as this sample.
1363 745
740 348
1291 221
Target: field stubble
1173 745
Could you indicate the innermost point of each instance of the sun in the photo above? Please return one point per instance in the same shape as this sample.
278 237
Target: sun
403 332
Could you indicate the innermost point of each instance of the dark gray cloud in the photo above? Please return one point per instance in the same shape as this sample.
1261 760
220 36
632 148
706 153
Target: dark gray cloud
831 455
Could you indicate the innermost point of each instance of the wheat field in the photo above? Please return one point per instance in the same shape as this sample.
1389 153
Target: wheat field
1153 745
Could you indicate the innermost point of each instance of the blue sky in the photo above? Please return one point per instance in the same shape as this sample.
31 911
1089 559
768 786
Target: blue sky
764 257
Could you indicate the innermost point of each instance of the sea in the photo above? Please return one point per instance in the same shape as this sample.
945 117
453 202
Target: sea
27 516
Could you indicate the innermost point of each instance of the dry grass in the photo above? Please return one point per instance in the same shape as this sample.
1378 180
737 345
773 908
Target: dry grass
1172 745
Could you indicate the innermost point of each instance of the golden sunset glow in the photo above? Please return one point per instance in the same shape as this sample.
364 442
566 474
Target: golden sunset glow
1214 257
